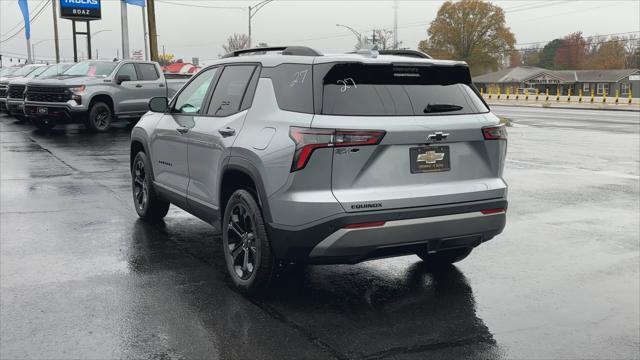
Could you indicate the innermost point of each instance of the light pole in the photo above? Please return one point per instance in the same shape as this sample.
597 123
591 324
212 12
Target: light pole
252 12
94 36
355 32
33 48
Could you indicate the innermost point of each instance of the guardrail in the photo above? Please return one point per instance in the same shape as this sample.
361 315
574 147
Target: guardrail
546 97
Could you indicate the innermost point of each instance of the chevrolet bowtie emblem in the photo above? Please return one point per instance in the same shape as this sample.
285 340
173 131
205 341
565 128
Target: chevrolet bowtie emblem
430 157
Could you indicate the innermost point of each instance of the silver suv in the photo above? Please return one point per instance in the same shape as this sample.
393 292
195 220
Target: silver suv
301 157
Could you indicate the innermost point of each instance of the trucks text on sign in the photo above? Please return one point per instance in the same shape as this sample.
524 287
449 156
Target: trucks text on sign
80 9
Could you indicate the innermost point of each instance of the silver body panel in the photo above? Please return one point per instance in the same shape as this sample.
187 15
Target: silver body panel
191 165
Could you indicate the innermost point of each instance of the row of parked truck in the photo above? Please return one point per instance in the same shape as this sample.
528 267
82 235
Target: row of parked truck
92 92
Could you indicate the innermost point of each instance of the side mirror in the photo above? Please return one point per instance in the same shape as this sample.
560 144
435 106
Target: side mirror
122 78
159 104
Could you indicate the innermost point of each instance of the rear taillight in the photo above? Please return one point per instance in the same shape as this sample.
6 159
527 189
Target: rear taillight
494 132
309 139
492 211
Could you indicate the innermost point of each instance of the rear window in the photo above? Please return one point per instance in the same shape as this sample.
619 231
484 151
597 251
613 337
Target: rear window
396 90
293 87
148 72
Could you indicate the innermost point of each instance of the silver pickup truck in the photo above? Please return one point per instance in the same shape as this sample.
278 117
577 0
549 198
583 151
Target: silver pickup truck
97 93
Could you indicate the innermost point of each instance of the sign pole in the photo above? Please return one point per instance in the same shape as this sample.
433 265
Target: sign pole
146 33
75 41
89 39
125 29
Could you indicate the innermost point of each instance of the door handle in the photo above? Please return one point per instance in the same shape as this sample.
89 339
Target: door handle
161 85
182 130
138 85
227 131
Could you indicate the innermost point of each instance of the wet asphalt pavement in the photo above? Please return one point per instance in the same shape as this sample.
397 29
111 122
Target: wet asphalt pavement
82 277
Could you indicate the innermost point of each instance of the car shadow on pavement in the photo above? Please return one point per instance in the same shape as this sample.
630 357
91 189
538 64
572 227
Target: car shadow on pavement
373 310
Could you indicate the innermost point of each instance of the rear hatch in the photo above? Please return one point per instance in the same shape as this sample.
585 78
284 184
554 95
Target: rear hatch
433 150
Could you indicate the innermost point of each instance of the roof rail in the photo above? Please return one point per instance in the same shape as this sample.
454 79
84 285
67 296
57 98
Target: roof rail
286 50
405 52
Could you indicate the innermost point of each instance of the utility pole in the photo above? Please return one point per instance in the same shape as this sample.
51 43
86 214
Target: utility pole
55 30
125 29
153 35
249 28
395 24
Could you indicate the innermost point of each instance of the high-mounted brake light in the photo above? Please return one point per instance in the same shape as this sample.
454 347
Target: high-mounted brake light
494 132
309 139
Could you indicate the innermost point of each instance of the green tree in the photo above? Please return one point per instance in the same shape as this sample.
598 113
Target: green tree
548 54
471 30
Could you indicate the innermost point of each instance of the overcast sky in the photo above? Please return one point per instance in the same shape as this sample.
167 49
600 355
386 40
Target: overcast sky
191 28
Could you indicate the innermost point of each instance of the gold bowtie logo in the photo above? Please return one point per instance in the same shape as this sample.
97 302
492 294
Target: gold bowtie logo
430 157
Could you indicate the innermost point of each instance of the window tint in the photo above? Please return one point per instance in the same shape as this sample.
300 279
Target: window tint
397 90
148 72
230 89
190 99
128 69
293 87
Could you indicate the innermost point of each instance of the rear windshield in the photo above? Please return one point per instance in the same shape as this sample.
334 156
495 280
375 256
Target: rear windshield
397 90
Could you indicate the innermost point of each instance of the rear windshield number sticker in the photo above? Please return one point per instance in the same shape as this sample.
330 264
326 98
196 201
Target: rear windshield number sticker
298 78
347 84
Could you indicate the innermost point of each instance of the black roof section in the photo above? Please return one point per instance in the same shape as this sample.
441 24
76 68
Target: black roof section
405 52
286 50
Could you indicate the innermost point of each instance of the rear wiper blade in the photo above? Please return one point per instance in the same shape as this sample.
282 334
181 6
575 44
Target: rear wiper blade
435 108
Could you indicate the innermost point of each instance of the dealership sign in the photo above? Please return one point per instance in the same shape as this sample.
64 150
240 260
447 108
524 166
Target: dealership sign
80 9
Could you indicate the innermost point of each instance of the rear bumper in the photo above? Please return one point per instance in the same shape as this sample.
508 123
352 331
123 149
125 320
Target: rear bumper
432 228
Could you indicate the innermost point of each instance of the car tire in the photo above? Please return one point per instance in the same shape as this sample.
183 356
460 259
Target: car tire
149 205
100 116
246 246
44 124
20 118
443 258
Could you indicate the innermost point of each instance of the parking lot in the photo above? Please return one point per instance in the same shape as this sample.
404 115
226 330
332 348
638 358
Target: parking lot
82 277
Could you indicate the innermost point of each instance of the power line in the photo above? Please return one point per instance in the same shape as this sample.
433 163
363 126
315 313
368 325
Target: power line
35 16
201 6
20 22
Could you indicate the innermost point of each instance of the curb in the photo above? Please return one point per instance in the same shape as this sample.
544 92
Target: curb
562 107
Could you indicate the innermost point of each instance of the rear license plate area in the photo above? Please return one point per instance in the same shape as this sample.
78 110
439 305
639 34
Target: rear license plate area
429 159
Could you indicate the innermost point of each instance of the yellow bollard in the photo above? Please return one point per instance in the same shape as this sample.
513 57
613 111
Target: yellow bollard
526 95
558 93
580 97
629 92
604 96
617 95
547 98
489 93
592 96
508 92
498 93
569 95
537 94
